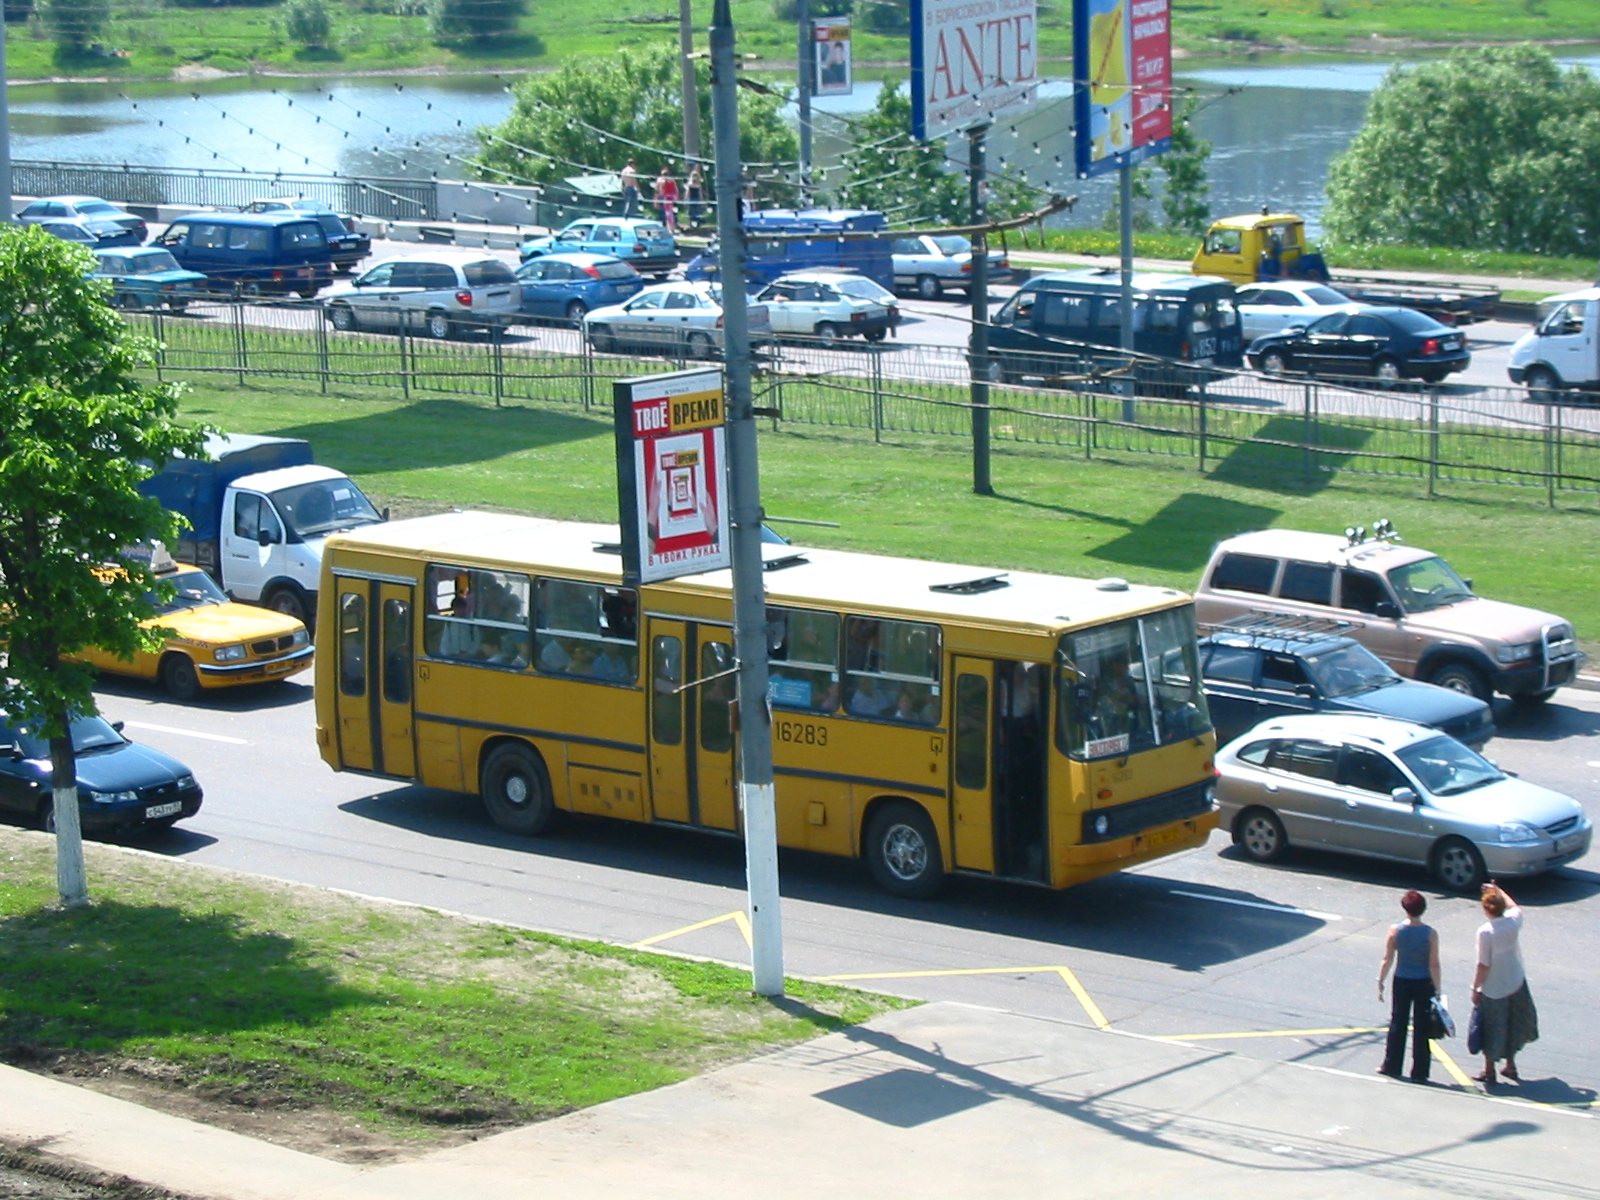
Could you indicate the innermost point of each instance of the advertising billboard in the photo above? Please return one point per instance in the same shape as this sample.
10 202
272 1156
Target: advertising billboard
971 62
1122 66
671 487
830 46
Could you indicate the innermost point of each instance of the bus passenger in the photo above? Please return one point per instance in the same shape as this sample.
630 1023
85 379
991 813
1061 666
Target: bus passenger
868 700
613 666
553 656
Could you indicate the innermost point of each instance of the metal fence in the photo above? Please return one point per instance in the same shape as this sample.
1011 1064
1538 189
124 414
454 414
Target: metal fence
1258 430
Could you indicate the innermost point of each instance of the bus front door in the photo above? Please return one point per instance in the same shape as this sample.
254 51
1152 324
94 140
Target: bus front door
376 628
691 724
1001 729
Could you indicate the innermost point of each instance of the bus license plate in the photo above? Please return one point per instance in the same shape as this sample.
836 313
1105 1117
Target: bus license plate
1162 836
157 811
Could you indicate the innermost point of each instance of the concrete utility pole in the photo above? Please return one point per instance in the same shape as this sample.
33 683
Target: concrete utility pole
1125 384
5 125
686 81
978 292
756 794
805 64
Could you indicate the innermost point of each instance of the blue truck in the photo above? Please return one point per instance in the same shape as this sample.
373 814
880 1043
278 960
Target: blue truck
769 257
259 511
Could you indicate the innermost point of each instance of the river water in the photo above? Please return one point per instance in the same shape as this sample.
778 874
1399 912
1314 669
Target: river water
1273 128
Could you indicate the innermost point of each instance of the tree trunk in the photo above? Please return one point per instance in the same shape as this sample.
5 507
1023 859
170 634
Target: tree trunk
70 880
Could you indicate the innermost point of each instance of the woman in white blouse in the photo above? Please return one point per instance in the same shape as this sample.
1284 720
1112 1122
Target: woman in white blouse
1507 1019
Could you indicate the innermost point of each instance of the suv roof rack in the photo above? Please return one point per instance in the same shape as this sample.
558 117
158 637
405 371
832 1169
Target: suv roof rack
1283 627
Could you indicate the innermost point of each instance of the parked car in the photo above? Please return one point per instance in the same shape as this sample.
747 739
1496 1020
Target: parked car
147 277
214 643
349 244
565 286
670 318
929 264
1388 344
84 208
441 294
1257 670
1383 788
1405 605
644 243
252 254
1266 308
828 306
89 233
122 786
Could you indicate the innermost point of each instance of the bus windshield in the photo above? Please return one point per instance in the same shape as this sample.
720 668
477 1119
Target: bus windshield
1130 686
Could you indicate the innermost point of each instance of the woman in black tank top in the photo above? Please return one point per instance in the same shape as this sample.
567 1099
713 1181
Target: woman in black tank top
1412 949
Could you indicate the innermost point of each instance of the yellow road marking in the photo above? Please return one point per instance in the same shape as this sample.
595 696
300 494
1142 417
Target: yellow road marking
1089 1006
1449 1064
738 917
743 922
1258 1033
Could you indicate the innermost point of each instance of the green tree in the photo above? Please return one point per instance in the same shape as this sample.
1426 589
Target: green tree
570 121
1185 193
74 25
78 428
1143 221
475 20
1490 148
308 22
889 170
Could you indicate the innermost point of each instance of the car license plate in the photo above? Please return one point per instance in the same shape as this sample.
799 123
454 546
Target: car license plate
156 811
280 666
1162 836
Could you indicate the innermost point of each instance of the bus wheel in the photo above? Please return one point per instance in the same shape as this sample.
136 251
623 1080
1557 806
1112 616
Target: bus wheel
516 790
902 851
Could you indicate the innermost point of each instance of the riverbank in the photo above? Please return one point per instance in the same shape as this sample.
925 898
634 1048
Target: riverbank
146 42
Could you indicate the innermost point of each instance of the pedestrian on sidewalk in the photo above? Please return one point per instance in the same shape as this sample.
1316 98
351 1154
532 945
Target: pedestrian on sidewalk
694 195
1507 1019
666 199
630 190
1413 951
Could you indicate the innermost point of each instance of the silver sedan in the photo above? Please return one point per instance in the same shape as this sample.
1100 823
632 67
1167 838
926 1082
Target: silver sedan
683 319
1390 789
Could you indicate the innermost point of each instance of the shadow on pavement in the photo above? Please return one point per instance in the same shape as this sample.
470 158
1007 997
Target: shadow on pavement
248 698
1125 915
1542 722
1553 1090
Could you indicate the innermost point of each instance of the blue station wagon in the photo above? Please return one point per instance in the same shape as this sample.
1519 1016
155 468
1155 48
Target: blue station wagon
565 286
147 277
253 254
645 245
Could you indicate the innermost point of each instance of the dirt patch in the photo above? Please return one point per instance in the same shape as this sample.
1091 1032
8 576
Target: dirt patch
26 1173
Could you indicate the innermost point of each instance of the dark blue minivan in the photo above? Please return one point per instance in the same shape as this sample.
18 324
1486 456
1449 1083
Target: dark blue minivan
253 254
818 246
1059 324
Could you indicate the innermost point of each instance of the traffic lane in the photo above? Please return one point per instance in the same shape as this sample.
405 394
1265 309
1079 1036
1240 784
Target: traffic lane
1154 958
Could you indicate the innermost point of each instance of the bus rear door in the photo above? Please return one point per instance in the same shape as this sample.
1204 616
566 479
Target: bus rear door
375 685
691 727
1001 724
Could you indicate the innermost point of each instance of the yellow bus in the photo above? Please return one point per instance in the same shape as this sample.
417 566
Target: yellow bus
926 717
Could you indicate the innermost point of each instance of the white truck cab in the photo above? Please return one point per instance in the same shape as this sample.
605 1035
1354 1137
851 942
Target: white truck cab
1563 350
273 526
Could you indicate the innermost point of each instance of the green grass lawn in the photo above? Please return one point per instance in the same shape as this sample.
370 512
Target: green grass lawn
393 34
1151 519
255 993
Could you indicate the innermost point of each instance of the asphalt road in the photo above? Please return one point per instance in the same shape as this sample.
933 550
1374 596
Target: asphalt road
1202 943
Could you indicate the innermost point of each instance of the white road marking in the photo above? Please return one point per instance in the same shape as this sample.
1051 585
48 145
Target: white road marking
1277 908
194 733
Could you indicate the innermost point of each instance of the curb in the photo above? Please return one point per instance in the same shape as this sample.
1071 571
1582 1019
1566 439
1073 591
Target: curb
1587 683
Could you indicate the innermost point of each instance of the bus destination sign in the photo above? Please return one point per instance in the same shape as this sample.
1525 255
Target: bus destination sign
671 484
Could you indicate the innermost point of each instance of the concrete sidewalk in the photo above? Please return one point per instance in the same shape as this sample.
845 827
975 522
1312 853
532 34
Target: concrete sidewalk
943 1100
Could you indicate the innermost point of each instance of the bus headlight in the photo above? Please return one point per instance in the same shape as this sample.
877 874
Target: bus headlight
228 653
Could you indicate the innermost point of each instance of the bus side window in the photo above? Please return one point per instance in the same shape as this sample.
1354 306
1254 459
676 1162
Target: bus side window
892 670
803 659
477 616
666 670
587 629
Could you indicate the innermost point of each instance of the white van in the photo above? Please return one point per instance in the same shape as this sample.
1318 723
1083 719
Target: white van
1563 350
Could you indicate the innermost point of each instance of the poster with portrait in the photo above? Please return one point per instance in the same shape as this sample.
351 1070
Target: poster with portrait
671 474
830 43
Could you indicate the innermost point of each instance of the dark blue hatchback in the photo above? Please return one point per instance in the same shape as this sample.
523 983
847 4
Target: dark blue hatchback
1258 674
565 286
122 785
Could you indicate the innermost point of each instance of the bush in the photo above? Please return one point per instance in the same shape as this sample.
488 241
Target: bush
308 22
74 24
478 20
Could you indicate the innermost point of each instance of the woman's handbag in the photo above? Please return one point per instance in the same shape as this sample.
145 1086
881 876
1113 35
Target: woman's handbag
1475 1031
1440 1022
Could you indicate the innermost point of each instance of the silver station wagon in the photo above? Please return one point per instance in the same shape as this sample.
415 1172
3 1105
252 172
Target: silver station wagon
1391 789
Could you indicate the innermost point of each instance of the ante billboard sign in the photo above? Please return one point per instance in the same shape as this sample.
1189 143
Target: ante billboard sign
971 62
1122 66
671 474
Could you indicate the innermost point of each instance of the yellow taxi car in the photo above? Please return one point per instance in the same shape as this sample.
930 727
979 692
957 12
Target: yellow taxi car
216 643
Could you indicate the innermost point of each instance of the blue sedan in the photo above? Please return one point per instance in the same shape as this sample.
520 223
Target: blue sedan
122 785
147 277
566 286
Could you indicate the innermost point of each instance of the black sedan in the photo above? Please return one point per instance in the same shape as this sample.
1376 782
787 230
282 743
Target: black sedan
122 786
1254 677
1389 344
